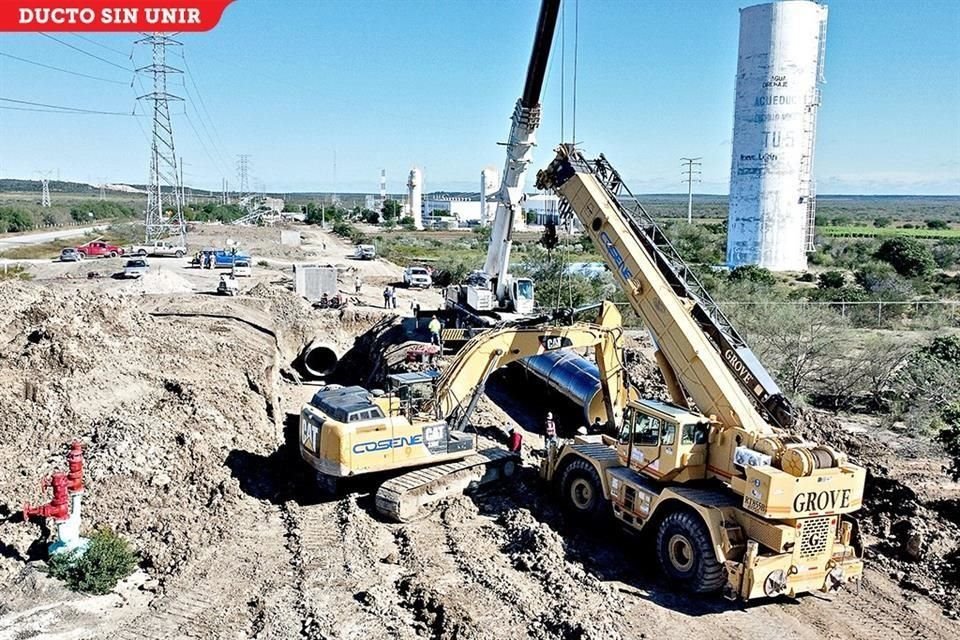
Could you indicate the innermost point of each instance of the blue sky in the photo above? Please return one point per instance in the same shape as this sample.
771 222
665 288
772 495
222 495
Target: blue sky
432 83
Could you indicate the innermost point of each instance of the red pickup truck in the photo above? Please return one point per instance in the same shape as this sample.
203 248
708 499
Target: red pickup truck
99 249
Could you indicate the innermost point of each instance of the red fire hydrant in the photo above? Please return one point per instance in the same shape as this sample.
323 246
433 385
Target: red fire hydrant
75 464
57 507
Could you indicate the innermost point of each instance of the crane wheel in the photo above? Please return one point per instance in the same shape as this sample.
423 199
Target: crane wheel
142 253
686 553
582 490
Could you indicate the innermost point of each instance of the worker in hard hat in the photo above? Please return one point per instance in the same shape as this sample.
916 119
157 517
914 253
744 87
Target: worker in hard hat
434 328
550 429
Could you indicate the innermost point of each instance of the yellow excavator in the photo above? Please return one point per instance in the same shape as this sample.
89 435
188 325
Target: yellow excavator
420 421
733 500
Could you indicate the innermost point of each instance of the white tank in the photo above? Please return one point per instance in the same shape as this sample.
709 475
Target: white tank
489 183
415 186
772 197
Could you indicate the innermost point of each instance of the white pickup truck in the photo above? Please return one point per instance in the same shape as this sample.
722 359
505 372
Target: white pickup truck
158 248
417 277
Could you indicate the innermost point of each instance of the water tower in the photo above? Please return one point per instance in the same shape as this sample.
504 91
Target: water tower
772 196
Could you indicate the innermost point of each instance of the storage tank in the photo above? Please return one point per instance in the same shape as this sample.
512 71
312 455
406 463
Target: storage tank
772 196
415 185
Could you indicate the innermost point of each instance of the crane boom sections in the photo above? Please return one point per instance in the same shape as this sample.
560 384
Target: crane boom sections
711 360
522 140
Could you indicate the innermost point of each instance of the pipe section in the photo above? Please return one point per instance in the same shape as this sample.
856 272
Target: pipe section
574 377
318 359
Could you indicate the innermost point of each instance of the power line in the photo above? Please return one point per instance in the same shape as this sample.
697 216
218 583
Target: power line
215 139
47 66
101 45
86 53
61 109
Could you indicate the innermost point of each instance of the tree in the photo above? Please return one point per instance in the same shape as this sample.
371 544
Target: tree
930 383
391 210
881 222
831 280
799 343
909 256
752 273
937 224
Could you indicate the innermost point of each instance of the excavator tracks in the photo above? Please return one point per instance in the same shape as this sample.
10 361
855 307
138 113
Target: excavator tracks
403 497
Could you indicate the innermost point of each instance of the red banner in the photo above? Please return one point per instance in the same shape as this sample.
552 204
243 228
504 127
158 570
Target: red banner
161 16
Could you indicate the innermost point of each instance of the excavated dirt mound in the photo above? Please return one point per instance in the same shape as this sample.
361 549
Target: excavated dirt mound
910 523
158 404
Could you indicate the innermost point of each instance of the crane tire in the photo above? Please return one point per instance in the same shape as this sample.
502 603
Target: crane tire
582 490
686 554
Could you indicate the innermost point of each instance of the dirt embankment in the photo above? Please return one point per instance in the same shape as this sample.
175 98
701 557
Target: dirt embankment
910 521
158 403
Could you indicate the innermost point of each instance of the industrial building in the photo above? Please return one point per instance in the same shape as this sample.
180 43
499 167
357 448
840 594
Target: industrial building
772 194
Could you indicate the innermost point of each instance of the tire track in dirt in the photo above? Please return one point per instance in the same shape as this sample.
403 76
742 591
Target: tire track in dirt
876 613
210 598
345 590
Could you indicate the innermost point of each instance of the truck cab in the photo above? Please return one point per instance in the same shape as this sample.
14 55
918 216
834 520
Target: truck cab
663 441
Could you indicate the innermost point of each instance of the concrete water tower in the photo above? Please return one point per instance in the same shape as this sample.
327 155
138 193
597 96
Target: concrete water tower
415 187
772 195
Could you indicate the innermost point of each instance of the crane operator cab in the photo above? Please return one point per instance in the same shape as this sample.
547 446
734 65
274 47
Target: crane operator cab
522 295
664 441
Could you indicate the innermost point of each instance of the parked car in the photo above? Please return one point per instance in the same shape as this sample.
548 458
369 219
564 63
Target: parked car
69 254
159 248
365 252
136 268
99 249
417 277
241 268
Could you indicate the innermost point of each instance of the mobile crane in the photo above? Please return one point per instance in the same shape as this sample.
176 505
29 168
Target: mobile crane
493 289
420 424
733 501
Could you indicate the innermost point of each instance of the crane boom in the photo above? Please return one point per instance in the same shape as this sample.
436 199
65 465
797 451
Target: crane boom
524 124
699 346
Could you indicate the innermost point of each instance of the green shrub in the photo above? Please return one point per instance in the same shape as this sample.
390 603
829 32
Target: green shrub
937 224
908 256
106 561
881 222
13 219
831 280
752 273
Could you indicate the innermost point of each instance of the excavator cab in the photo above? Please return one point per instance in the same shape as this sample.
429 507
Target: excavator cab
413 391
664 441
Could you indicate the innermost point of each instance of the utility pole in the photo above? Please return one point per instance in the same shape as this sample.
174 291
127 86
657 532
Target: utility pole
162 221
243 172
691 169
103 188
334 203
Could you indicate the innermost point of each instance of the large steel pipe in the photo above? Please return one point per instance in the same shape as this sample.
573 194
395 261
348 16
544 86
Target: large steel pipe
574 377
318 359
